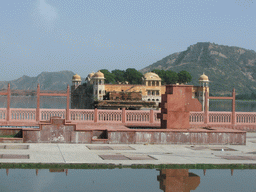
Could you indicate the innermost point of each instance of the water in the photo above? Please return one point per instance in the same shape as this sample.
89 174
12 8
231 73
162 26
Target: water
226 105
128 180
60 103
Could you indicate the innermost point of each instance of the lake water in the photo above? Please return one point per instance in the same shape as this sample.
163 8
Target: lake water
60 103
122 180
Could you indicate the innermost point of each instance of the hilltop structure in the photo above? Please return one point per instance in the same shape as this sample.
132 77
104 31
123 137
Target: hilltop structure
94 93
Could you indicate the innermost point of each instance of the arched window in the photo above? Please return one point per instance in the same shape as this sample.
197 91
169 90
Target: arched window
148 99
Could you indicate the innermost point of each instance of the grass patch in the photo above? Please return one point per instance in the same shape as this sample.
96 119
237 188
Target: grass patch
8 136
134 166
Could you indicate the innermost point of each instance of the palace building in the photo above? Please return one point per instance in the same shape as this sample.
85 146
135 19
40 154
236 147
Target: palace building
94 93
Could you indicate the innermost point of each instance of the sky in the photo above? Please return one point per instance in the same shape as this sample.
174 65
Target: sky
85 36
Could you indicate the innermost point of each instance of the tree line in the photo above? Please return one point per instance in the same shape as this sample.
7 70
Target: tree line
132 76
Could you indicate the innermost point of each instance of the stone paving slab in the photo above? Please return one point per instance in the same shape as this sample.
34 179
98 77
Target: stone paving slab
129 154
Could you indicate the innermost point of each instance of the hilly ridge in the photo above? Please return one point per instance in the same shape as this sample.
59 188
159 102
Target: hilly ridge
227 67
47 80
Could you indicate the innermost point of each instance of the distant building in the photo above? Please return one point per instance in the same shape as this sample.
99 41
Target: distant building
96 94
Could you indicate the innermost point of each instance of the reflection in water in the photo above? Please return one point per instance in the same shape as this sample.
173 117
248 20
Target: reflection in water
167 180
170 180
177 180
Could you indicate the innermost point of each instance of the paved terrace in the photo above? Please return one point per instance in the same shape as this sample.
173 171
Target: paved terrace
130 154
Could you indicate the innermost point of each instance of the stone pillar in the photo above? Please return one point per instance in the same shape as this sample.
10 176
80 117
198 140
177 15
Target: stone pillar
67 109
176 104
95 115
38 103
123 115
151 116
8 110
234 107
206 112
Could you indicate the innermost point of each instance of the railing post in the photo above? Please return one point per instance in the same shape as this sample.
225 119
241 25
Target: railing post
206 112
95 115
38 103
151 116
8 111
234 108
67 109
123 115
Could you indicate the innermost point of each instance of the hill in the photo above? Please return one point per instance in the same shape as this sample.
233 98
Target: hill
227 67
47 80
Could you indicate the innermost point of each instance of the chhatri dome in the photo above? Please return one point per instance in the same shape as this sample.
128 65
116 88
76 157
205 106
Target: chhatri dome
76 77
98 75
91 75
151 76
204 78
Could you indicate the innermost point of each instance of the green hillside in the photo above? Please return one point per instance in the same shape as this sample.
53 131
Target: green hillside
227 67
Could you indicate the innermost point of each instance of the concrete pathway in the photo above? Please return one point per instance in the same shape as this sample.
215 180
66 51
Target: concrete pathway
130 154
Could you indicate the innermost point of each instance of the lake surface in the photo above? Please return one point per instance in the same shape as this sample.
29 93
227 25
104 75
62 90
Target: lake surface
60 103
122 180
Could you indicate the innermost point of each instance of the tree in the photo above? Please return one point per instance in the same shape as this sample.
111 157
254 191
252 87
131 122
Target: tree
133 76
109 77
160 73
119 75
168 77
184 77
171 77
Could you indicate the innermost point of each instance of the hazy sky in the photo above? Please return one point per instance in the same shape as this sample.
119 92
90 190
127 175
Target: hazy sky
88 35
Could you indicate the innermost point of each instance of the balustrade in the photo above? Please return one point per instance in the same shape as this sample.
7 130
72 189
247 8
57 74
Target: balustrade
245 118
123 116
2 114
137 116
46 114
23 114
196 117
109 115
220 117
82 115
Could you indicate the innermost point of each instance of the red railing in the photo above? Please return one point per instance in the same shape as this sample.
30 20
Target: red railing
125 116
2 114
245 118
216 117
46 114
82 115
113 116
196 117
20 114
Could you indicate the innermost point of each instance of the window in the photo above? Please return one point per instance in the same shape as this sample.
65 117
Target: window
153 99
157 99
99 91
148 99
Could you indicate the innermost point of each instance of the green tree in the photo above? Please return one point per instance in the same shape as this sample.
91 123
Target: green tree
171 77
133 76
184 77
109 77
119 75
168 77
160 73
